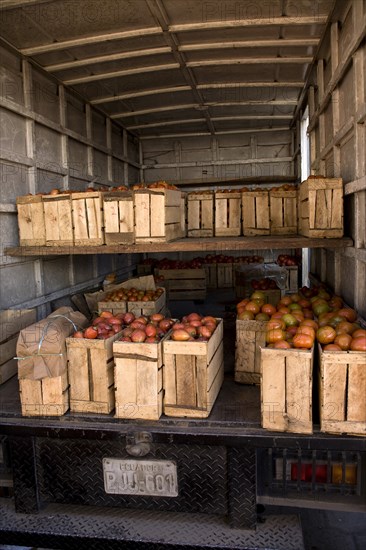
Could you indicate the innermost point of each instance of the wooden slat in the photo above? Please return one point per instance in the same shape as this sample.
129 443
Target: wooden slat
78 373
186 380
157 215
250 336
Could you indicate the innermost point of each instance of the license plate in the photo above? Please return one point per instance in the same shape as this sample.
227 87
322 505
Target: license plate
156 478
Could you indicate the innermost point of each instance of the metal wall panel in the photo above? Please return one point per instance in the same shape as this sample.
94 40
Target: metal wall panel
17 284
56 274
12 137
48 147
44 96
13 181
53 142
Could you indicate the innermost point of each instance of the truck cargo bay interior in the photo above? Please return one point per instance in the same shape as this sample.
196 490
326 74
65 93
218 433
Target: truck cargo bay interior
206 95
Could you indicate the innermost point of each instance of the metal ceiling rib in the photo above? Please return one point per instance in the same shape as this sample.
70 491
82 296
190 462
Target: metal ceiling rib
171 65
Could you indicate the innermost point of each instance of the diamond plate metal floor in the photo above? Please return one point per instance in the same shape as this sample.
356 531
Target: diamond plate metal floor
163 528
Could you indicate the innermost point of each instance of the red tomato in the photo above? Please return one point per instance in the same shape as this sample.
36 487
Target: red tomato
90 333
274 335
358 344
343 340
303 341
282 344
326 334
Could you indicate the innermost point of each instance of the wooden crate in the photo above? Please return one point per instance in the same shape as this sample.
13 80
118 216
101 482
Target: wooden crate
342 391
45 397
91 374
148 308
227 214
192 376
255 213
119 219
292 279
283 212
286 390
184 284
320 207
31 224
200 214
225 275
137 308
138 376
11 322
250 337
87 217
211 275
159 215
58 219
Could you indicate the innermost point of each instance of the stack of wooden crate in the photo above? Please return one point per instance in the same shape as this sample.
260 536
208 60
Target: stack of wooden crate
94 218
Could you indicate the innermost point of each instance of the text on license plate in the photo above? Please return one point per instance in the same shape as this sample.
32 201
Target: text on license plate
140 477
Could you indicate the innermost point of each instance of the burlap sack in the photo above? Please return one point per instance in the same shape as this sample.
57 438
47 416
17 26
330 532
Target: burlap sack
41 347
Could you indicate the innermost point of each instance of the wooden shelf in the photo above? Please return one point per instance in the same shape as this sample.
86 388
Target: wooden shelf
205 244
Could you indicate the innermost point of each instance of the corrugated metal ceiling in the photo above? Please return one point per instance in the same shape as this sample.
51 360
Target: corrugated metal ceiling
164 67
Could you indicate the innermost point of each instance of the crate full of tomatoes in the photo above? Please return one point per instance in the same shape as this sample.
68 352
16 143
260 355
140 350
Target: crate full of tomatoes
341 348
193 366
139 364
140 296
312 321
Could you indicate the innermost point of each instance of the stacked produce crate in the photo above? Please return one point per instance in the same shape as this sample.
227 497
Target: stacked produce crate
279 354
160 212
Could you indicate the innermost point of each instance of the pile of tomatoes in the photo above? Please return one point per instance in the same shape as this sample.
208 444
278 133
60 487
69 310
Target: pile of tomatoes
149 329
194 327
133 295
297 321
